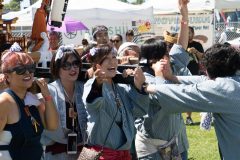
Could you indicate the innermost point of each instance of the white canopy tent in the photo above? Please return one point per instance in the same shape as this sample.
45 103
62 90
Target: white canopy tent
91 9
171 6
201 14
107 9
116 15
25 17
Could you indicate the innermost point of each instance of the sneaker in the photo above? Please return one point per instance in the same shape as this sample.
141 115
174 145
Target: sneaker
189 121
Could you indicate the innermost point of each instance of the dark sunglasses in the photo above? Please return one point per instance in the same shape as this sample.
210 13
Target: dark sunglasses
68 65
115 41
20 70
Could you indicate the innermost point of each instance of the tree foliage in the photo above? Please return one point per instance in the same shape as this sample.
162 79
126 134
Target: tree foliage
136 1
33 1
139 1
13 5
124 1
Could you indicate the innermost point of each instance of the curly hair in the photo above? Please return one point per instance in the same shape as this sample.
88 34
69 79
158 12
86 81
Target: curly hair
221 60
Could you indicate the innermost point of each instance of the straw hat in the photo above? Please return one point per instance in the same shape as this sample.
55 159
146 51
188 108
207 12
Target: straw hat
171 38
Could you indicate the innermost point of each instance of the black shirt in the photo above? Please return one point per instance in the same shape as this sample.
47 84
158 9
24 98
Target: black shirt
193 66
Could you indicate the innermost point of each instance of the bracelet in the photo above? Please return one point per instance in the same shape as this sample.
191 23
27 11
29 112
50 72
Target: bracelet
48 98
184 22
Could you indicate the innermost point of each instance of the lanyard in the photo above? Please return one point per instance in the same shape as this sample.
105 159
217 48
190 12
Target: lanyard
33 120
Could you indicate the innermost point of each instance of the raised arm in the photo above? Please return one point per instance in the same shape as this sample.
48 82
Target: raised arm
49 114
183 34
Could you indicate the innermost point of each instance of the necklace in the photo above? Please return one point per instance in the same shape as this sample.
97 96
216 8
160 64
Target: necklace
72 113
116 96
67 97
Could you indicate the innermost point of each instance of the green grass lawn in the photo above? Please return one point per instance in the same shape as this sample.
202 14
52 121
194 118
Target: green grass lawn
202 144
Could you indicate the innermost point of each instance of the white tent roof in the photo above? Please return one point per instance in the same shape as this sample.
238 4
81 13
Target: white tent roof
113 5
90 9
107 9
25 17
170 6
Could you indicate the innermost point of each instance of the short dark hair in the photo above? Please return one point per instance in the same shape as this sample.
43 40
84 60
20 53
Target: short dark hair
120 36
130 33
84 41
221 60
56 64
98 28
191 28
153 50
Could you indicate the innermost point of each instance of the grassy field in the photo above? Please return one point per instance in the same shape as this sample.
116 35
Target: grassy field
202 144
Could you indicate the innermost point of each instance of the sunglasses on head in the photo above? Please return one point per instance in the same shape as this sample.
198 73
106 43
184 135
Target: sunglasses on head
68 65
20 70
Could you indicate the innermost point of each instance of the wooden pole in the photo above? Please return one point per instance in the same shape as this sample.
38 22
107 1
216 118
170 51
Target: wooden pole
1 12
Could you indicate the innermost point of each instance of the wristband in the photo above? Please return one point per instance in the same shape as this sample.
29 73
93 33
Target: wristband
48 98
184 22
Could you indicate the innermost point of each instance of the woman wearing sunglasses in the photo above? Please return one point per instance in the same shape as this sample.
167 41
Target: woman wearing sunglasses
21 124
112 107
67 92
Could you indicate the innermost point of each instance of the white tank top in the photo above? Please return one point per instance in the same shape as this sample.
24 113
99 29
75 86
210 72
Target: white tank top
5 139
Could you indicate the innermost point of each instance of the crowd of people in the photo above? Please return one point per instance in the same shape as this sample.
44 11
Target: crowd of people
140 118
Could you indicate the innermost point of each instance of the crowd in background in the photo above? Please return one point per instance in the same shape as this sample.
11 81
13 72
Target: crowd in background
137 115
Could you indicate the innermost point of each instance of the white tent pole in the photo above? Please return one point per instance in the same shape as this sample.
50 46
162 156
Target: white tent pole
214 26
214 22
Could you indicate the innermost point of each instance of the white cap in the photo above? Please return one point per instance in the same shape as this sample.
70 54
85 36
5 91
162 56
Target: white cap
125 46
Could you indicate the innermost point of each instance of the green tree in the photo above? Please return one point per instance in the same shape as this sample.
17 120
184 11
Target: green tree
136 1
140 1
124 1
32 1
13 5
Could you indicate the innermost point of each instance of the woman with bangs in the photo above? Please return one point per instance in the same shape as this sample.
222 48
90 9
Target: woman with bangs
21 122
67 92
112 107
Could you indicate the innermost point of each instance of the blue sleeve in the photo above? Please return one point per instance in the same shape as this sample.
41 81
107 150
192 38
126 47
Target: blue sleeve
90 101
140 102
192 79
205 96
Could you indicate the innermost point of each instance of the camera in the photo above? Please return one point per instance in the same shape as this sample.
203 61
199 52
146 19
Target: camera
72 143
